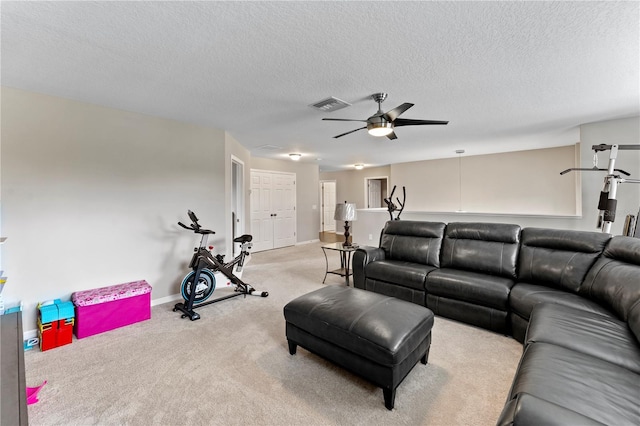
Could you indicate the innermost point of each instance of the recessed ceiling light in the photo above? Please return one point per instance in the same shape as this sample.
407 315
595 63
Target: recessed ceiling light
295 157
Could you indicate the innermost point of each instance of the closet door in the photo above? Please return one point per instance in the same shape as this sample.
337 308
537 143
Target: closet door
273 209
261 214
284 207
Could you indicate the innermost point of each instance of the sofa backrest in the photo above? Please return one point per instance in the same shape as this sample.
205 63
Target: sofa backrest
614 280
490 248
412 241
558 258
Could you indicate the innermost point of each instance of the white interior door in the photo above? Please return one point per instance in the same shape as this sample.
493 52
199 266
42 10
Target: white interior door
375 190
375 193
273 209
284 208
261 219
328 206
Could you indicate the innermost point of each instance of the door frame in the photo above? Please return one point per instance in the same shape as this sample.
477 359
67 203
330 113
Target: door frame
238 192
366 188
321 194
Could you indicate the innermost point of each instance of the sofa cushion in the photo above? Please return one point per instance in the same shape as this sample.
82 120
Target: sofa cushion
413 241
407 274
490 248
526 409
558 258
473 287
601 336
578 382
524 297
614 280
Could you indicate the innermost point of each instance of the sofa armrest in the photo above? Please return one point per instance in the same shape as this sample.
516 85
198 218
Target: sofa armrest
527 409
363 256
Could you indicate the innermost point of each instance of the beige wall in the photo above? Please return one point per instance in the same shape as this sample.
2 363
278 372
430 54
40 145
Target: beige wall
350 187
522 182
307 203
350 184
91 197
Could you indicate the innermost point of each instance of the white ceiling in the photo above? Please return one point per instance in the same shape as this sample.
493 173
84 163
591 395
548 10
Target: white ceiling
507 75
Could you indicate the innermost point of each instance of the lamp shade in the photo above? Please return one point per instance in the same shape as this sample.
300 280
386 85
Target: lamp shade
345 212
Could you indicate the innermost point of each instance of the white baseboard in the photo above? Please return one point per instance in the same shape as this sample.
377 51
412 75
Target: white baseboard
308 242
166 299
30 334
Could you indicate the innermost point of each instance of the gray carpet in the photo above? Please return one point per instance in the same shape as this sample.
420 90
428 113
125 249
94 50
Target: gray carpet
233 367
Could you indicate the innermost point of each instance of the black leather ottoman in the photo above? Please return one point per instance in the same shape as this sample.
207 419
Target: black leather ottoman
377 337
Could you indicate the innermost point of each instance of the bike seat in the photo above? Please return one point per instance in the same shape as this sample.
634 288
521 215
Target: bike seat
243 239
204 231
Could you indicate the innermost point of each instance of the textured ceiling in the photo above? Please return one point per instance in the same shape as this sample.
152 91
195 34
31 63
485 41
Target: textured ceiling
507 75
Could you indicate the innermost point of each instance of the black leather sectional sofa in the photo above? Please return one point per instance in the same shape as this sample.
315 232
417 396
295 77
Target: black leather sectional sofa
571 297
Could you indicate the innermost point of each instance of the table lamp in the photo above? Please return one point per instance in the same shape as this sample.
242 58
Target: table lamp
346 212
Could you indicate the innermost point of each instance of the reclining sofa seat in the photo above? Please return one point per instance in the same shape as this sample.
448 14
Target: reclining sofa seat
552 265
477 271
407 253
579 366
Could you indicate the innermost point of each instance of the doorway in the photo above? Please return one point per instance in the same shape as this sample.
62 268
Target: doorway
328 203
237 201
375 191
328 207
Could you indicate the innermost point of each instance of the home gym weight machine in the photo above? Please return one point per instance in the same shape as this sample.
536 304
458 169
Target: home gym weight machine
200 283
608 202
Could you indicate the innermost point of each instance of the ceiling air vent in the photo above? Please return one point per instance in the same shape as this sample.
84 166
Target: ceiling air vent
330 104
269 147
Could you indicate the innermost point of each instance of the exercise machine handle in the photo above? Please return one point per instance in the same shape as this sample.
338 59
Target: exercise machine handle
195 227
192 216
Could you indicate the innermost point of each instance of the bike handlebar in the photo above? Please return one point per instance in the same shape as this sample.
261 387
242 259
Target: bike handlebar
195 227
193 217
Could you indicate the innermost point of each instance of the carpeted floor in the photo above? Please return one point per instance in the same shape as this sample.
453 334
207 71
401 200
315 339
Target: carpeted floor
233 367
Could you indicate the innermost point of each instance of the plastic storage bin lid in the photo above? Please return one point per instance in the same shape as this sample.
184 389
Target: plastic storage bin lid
111 293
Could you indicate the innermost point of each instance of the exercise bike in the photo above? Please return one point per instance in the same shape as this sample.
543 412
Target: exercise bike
199 284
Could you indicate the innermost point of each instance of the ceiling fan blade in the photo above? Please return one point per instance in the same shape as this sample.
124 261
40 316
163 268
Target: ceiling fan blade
395 113
344 134
392 136
410 122
342 119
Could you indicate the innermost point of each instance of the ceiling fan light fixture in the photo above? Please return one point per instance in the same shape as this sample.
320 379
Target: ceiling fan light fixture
379 127
295 157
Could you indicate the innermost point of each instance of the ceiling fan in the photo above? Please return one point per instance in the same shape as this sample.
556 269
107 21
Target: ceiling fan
383 123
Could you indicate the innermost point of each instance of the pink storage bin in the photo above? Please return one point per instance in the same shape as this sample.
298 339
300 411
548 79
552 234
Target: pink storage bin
103 309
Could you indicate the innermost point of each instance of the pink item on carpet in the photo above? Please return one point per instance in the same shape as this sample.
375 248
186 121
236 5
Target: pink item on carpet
103 309
32 393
